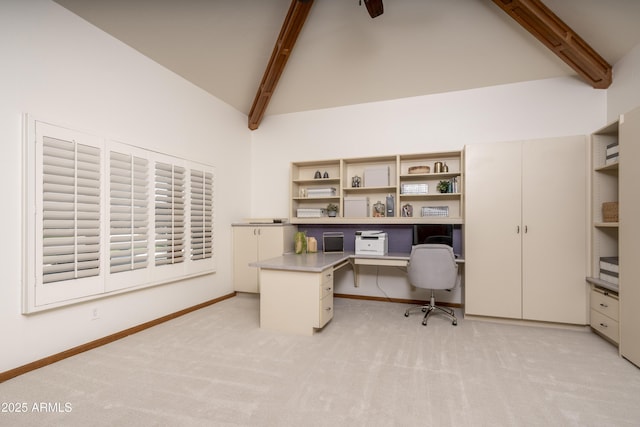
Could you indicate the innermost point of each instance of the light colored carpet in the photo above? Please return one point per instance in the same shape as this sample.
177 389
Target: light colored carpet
370 366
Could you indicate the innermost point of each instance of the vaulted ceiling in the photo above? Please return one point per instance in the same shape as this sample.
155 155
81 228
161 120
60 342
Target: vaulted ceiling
342 56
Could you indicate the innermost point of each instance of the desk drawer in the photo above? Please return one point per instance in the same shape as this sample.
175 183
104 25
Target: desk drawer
326 284
327 275
326 310
605 325
605 304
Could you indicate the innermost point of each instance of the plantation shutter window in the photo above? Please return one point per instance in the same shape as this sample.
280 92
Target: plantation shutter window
103 217
129 234
201 214
169 214
70 210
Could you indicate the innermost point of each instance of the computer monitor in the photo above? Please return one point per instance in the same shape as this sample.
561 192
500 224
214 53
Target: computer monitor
433 233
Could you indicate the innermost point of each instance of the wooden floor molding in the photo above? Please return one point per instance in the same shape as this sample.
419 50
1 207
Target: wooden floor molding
7 375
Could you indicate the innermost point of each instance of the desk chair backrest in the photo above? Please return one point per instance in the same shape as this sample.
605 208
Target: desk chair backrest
432 266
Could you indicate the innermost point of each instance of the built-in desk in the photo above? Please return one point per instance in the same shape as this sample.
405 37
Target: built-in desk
296 291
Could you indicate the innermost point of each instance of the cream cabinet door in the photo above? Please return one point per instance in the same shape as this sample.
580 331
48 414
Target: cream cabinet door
270 242
256 243
554 224
245 250
629 236
493 282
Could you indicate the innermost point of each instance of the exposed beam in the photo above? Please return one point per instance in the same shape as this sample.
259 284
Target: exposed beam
545 25
297 15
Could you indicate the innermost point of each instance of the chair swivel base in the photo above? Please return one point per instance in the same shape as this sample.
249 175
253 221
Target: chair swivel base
429 308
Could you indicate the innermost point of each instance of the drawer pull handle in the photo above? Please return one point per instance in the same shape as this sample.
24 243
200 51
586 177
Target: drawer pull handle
328 308
603 305
604 325
329 288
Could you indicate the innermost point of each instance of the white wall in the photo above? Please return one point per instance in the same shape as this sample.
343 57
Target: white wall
61 69
624 93
537 109
531 110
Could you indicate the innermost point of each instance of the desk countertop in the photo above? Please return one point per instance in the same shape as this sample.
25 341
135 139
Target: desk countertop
312 262
316 262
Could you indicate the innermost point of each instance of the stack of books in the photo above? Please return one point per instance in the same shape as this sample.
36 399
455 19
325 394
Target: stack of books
321 192
309 212
611 154
609 269
453 185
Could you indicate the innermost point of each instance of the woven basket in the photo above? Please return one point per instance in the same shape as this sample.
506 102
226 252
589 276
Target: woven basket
610 212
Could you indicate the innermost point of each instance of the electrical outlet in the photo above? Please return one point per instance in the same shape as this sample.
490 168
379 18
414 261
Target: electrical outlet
95 315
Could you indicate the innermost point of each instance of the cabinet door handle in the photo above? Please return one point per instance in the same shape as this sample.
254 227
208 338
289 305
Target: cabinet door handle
517 229
604 325
526 228
328 309
329 288
603 305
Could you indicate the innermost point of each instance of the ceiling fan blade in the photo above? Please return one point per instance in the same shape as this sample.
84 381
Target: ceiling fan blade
374 7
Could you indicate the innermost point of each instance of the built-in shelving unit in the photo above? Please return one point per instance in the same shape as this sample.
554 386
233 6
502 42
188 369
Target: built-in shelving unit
604 233
376 179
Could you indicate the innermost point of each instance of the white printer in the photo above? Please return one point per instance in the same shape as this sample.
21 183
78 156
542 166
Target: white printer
371 242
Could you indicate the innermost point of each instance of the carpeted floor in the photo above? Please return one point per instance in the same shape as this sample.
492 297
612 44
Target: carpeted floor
370 366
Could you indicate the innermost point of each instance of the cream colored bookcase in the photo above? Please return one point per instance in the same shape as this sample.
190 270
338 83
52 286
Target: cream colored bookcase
604 296
614 306
426 205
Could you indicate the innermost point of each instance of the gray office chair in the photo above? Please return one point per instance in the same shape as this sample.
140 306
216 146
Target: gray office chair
433 266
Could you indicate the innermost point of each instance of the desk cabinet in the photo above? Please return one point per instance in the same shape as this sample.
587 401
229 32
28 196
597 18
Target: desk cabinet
253 243
605 313
295 301
525 243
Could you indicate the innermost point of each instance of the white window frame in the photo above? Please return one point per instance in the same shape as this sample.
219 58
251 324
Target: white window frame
39 296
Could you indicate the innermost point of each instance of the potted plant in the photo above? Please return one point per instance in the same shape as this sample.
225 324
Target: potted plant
332 209
443 186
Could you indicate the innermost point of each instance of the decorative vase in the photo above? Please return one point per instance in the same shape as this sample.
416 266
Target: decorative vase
300 242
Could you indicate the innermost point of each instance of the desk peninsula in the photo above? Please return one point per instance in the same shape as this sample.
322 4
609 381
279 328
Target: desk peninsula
296 291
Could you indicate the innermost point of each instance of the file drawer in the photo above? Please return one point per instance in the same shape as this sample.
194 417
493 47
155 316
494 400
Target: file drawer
605 303
605 325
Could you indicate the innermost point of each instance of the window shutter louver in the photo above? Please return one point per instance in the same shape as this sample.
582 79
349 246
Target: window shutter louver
128 212
70 210
201 215
169 213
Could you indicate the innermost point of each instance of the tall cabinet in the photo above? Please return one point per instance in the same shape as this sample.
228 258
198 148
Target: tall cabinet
525 222
630 236
251 243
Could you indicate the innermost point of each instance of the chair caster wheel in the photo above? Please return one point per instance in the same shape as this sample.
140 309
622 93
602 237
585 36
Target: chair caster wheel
454 323
424 322
406 315
424 309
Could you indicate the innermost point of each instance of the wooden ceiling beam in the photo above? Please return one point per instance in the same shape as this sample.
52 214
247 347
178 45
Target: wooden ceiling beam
547 27
293 23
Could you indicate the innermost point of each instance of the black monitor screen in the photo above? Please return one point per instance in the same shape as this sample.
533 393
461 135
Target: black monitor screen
433 233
